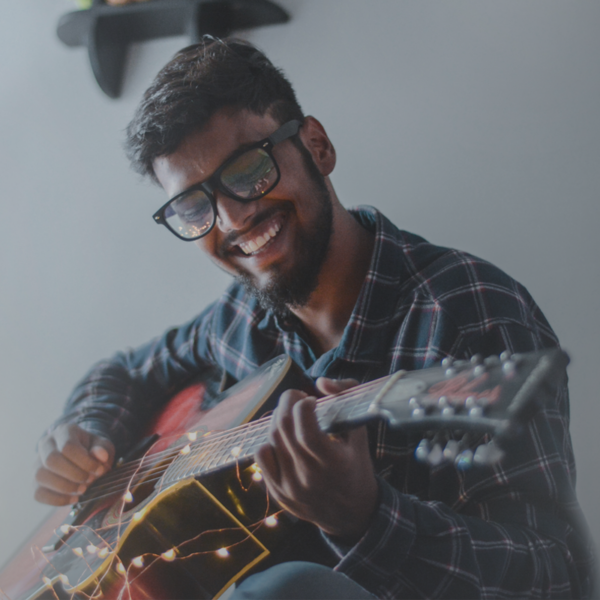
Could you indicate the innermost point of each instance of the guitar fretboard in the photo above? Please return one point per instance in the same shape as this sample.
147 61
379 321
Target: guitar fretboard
218 450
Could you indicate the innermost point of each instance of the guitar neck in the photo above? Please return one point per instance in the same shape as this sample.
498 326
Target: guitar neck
219 450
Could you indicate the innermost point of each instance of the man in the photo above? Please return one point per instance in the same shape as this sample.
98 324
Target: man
349 297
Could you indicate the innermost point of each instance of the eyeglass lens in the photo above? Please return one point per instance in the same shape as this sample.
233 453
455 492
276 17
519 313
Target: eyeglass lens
190 216
250 175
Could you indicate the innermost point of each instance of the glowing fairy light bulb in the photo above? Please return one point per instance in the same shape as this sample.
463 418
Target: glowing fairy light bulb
63 579
65 528
47 581
91 549
223 552
271 521
186 449
137 516
236 451
192 435
257 474
138 561
121 569
78 551
128 497
103 553
169 555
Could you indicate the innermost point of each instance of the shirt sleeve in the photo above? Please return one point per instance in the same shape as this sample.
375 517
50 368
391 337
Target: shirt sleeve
513 529
119 395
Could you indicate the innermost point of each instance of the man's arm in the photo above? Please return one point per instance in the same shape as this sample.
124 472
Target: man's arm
110 407
505 529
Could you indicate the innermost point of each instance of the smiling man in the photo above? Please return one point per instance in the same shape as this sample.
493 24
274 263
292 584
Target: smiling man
349 297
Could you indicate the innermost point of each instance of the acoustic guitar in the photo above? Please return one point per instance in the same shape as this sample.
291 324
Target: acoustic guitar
187 514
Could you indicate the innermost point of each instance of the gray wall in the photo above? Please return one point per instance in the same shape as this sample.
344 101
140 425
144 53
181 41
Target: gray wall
473 123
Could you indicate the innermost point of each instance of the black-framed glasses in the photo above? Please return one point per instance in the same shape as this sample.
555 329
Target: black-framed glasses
247 175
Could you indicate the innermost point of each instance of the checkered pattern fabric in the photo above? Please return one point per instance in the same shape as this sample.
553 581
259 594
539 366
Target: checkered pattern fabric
512 530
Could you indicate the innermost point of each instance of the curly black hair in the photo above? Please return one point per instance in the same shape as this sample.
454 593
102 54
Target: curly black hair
200 80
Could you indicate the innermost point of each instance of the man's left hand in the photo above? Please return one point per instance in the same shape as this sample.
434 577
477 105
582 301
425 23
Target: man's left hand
322 478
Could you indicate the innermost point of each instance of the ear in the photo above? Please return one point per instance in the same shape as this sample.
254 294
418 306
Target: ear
316 141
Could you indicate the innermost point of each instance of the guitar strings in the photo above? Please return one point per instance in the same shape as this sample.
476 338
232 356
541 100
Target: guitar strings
115 483
218 437
119 476
133 470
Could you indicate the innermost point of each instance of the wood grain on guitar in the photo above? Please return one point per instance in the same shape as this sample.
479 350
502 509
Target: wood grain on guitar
190 516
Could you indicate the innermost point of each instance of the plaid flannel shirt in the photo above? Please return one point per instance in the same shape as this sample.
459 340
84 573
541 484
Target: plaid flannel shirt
512 530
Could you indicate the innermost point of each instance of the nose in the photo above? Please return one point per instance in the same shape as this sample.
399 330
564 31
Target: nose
231 214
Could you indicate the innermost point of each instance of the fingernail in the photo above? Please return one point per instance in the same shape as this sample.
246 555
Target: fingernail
100 453
99 471
81 488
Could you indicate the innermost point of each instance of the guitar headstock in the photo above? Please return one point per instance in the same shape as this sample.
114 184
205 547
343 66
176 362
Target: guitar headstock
460 401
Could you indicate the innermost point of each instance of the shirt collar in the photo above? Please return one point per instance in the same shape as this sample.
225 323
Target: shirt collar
366 336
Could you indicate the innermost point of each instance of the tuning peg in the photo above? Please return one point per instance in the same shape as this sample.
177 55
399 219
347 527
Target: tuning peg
422 450
476 412
418 413
488 454
451 450
492 361
476 359
447 362
509 368
479 370
436 455
464 460
506 355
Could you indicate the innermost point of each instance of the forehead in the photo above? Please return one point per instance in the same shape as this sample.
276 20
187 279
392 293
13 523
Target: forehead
203 151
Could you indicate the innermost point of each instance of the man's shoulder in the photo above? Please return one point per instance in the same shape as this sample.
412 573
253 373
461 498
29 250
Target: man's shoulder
472 292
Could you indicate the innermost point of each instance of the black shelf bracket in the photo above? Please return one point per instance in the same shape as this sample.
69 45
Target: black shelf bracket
108 30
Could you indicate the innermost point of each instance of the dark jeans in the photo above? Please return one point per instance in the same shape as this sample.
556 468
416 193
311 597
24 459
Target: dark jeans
300 581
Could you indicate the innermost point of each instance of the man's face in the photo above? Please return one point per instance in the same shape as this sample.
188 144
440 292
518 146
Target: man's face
275 245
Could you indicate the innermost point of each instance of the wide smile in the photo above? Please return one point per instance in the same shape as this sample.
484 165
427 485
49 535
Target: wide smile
261 236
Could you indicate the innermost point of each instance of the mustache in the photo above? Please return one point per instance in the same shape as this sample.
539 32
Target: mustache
232 238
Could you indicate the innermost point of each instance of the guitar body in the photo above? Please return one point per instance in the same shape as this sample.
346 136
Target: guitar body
188 539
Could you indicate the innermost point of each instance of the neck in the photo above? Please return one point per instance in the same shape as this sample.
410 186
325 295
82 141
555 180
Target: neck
342 275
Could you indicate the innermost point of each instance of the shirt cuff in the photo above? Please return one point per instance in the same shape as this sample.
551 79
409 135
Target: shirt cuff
385 544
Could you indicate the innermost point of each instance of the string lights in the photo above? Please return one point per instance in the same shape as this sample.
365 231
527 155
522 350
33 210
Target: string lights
153 467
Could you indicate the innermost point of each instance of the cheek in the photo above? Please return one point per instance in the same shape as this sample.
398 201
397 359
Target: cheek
209 245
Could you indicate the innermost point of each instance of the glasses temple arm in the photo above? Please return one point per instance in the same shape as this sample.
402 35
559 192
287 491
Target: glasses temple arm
285 131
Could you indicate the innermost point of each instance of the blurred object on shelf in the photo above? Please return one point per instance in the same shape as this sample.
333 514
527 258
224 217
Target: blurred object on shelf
121 2
107 27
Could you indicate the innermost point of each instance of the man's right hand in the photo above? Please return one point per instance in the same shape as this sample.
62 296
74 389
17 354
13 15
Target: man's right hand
69 459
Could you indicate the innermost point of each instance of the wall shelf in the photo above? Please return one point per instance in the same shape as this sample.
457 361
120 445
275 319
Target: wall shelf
108 30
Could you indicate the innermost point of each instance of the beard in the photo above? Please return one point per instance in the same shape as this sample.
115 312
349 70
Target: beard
292 289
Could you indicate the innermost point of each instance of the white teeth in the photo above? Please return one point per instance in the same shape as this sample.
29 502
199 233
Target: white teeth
261 240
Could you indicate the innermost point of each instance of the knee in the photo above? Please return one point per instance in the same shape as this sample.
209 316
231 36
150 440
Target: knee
291 581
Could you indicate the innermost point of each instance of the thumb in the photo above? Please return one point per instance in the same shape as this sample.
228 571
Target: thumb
103 450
